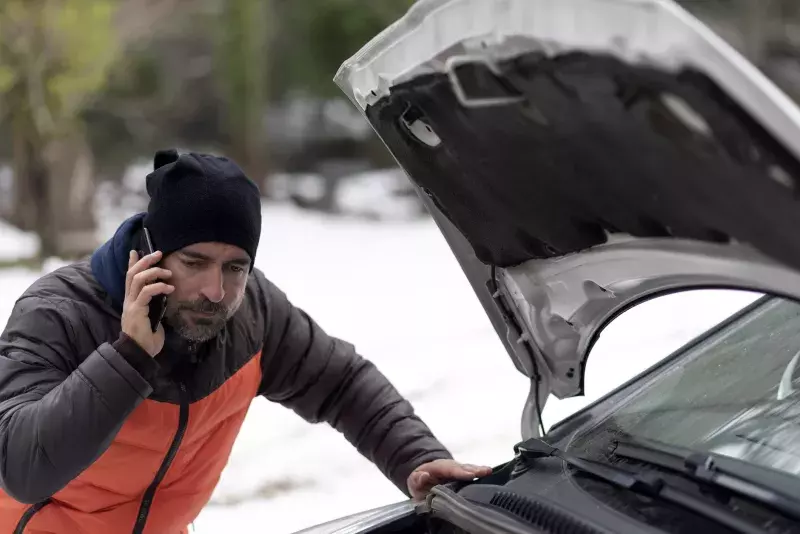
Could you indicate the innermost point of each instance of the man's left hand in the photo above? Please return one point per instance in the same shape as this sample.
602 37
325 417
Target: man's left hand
426 476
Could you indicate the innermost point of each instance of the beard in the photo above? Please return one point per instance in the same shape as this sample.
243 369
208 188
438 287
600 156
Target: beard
203 327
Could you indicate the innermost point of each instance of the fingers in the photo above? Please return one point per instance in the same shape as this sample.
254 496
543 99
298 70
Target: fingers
420 482
478 470
423 479
150 291
136 266
455 471
133 257
144 278
442 471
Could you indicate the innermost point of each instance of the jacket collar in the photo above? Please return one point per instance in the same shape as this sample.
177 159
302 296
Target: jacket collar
110 261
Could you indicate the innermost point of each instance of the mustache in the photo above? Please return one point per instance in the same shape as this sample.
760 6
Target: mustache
203 305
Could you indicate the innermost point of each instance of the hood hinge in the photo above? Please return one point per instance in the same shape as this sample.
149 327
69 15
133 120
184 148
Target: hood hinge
517 335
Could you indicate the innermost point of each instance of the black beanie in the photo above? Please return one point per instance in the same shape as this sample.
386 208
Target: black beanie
196 198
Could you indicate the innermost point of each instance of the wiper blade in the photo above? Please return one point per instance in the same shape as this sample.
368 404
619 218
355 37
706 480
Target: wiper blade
704 468
646 484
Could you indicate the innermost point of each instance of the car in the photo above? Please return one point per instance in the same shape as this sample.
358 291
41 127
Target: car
584 158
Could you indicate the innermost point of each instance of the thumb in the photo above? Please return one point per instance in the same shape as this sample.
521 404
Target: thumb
422 479
419 484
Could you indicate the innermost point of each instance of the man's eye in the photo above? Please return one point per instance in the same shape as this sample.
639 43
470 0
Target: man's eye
237 269
192 264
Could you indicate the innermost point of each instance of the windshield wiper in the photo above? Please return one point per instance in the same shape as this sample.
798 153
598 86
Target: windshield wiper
703 467
645 484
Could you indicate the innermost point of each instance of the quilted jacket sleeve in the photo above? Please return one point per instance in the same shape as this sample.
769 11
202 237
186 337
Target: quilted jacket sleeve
323 379
59 411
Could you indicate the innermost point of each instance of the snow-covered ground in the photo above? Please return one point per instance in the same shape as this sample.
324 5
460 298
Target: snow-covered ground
15 245
396 292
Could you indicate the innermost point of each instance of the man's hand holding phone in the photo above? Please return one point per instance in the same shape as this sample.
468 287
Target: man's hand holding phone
143 282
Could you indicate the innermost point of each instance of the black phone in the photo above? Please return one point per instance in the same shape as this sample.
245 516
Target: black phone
158 304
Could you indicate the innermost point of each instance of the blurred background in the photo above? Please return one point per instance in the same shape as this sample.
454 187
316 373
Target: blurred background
89 89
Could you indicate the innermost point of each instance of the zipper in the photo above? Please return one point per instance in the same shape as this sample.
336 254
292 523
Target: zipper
147 500
29 513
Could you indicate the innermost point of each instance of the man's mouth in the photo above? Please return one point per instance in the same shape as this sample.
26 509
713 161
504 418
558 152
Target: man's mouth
202 313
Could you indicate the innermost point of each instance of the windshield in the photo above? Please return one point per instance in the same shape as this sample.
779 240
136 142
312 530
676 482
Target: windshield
735 392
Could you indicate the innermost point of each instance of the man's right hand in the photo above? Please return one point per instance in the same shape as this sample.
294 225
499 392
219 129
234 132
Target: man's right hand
140 288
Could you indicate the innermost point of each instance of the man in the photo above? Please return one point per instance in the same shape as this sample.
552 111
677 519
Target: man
108 426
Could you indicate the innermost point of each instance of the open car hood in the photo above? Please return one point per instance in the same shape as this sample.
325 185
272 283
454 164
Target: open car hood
581 155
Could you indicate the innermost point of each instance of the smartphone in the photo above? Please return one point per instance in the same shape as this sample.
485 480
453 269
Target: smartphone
158 304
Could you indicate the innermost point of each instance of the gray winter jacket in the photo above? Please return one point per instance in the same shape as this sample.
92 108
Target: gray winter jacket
99 437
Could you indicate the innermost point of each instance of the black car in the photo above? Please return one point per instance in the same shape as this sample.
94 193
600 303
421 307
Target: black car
582 157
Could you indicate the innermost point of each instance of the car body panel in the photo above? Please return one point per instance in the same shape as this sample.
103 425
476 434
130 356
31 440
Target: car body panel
582 155
364 521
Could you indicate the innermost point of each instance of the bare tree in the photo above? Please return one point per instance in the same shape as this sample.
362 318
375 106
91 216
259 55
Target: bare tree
55 56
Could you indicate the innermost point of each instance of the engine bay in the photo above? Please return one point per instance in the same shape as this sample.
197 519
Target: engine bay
546 490
511 500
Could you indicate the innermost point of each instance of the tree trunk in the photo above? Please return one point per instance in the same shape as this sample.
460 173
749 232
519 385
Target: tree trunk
23 207
241 69
32 185
54 192
72 188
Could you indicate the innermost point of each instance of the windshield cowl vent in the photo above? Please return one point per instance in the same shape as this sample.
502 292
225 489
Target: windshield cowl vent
540 515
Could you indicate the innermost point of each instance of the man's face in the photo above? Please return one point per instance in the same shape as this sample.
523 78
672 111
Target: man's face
209 280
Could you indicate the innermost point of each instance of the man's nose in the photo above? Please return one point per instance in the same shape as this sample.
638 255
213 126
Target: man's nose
213 288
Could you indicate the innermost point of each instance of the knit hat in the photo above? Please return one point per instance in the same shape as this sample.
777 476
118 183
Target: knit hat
196 198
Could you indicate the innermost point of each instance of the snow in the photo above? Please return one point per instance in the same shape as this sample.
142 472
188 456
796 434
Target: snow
379 195
15 244
396 292
375 194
